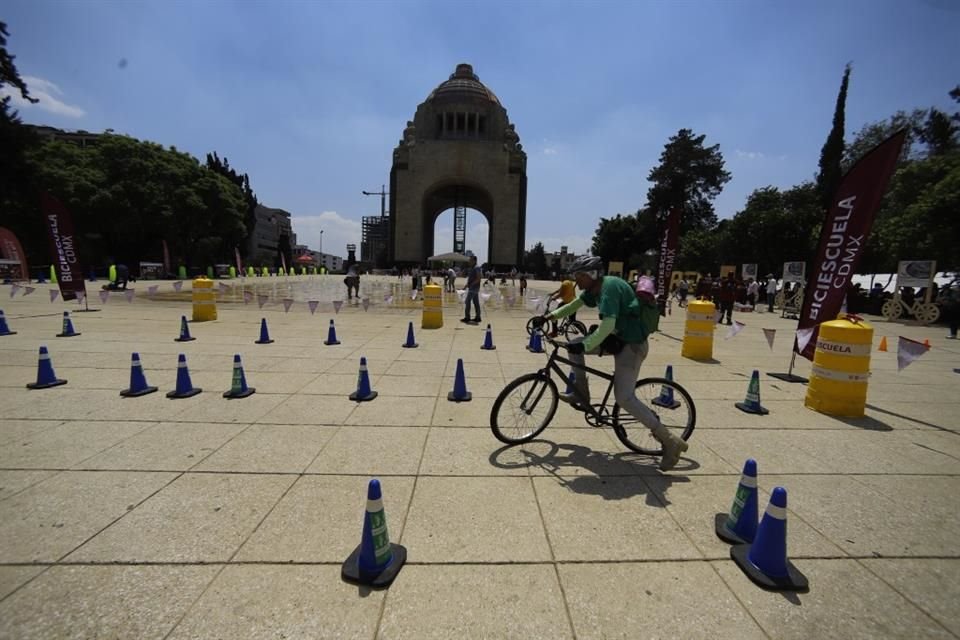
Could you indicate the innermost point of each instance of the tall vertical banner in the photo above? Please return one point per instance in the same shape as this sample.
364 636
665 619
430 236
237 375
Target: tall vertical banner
166 260
63 248
844 236
236 255
668 255
10 249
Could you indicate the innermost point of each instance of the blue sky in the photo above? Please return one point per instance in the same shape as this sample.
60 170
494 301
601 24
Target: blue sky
310 98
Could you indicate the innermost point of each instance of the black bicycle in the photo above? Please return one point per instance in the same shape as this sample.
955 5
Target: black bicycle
567 327
527 405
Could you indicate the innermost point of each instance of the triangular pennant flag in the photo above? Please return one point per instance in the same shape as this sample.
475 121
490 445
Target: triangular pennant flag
152 289
907 351
461 293
28 290
247 297
413 294
103 296
287 303
223 288
717 315
366 303
485 297
803 338
177 285
80 296
54 293
336 305
735 328
129 293
388 299
313 305
261 300
511 300
15 288
770 334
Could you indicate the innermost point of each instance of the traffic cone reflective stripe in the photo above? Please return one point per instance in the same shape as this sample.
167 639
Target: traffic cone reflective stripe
45 376
184 331
740 525
4 329
666 399
67 331
238 385
488 339
752 402
460 393
409 344
331 335
363 392
765 561
376 561
185 388
138 381
264 334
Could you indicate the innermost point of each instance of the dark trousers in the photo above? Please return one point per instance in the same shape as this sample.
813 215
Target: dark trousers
726 308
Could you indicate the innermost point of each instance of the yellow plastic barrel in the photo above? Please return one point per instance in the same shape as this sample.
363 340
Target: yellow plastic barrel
698 331
204 300
841 368
432 306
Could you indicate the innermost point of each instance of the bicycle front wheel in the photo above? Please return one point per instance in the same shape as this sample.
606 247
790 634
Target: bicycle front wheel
669 402
524 408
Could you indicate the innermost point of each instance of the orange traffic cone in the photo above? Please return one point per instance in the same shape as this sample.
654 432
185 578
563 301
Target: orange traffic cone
926 342
883 344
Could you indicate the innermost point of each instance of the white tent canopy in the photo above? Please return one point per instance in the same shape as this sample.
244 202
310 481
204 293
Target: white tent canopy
449 257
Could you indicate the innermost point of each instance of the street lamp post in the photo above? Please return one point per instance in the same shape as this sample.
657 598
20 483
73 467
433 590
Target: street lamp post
383 198
322 261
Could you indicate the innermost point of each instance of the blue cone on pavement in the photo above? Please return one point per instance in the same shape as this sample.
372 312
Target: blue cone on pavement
488 339
184 331
460 393
765 561
238 385
409 344
363 392
45 376
264 334
740 525
138 381
666 399
571 377
331 334
68 330
185 388
376 561
752 402
4 329
536 344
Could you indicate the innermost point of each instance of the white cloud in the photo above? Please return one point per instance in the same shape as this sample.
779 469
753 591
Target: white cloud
44 91
750 155
338 232
549 151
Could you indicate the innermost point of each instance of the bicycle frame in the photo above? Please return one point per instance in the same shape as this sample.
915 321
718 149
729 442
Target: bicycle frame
552 366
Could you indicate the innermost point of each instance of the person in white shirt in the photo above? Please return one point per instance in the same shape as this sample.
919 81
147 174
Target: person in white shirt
771 291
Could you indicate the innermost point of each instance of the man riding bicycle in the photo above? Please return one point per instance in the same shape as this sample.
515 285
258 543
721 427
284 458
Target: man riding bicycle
620 317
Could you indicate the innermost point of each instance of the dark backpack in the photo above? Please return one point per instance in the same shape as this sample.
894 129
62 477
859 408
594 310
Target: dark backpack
649 315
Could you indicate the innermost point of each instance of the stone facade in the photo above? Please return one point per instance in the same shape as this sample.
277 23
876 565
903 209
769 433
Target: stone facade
460 148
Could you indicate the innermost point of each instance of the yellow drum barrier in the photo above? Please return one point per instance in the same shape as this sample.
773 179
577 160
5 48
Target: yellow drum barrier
698 332
204 300
432 306
841 368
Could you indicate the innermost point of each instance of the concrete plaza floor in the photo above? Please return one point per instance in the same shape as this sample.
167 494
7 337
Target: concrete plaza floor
212 518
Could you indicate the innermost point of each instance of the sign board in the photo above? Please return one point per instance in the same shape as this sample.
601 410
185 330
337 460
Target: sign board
727 268
151 270
794 271
748 271
916 273
615 268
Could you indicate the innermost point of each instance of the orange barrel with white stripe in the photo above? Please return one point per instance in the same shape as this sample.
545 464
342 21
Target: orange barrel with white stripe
432 307
698 331
841 368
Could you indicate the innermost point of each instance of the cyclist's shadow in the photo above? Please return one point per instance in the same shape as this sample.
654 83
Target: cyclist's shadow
610 476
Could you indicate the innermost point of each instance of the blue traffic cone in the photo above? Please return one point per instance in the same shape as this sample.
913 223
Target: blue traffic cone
4 329
185 388
536 344
238 387
40 279
488 339
45 375
363 392
138 381
571 377
666 399
376 561
264 334
765 561
409 344
331 335
184 331
459 393
93 275
68 331
740 526
752 402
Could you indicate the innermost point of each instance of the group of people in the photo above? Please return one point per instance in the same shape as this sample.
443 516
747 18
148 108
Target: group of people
725 292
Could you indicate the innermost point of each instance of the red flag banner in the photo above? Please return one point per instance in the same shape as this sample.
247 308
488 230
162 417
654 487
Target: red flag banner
236 255
166 259
844 236
668 254
10 249
63 247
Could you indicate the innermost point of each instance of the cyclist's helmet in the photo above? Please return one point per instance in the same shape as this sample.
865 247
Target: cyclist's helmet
591 265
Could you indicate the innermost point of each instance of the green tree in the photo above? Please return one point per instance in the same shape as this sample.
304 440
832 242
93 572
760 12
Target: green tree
535 261
242 181
625 238
872 134
15 138
831 155
688 177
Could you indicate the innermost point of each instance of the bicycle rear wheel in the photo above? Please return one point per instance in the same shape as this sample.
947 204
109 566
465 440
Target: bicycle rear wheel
524 408
574 329
672 405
